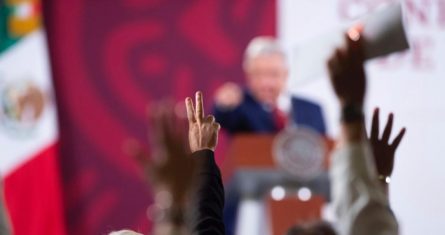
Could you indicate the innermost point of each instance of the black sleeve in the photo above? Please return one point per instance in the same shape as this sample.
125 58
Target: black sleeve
207 217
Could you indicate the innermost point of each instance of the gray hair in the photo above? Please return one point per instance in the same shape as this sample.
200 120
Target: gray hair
124 232
263 45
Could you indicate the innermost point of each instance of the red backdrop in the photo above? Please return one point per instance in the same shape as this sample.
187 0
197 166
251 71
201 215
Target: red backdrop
112 57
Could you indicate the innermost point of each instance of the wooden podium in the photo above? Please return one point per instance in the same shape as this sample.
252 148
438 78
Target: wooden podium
250 170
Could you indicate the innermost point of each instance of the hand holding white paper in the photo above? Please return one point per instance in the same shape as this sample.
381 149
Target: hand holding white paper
383 33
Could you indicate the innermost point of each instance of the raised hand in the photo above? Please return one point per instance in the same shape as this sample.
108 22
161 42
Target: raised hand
346 71
170 168
383 150
203 130
228 96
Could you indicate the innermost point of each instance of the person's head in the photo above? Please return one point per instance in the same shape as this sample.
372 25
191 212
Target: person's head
124 232
314 228
266 69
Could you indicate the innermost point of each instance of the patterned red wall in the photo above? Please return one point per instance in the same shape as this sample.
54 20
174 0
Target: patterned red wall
109 59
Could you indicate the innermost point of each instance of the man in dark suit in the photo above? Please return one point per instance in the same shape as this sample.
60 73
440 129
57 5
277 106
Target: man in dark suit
255 109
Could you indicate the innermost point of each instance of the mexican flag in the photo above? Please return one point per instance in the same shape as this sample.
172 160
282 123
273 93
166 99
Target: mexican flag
28 125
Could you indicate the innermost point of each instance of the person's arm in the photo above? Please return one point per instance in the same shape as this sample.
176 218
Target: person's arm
208 209
228 99
168 167
207 216
360 203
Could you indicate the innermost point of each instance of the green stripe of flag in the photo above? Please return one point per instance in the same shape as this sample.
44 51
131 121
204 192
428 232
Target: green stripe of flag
6 39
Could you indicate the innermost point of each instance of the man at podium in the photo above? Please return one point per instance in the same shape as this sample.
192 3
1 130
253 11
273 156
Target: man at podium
254 109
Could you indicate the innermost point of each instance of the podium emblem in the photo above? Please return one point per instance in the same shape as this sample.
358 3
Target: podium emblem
300 152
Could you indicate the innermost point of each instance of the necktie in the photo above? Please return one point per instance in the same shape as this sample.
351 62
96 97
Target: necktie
280 119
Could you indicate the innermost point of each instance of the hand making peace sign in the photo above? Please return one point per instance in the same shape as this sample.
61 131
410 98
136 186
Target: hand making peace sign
203 130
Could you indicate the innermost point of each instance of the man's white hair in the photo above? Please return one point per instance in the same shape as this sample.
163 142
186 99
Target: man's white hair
124 232
263 45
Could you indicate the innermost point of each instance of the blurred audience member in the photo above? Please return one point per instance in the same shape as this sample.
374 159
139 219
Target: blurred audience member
5 227
314 228
360 202
125 232
169 169
254 109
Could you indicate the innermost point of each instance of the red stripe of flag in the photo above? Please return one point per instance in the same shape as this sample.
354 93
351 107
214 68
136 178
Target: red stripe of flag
33 195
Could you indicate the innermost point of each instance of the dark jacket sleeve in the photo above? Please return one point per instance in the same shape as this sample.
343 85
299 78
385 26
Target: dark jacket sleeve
209 198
